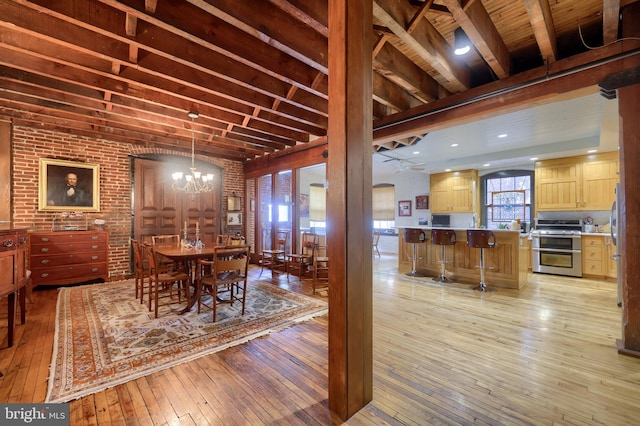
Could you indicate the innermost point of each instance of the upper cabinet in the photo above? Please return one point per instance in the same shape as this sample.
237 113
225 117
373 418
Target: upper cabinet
454 192
577 183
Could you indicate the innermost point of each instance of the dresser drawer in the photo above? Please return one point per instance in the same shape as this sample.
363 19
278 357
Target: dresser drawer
49 260
68 237
69 273
67 248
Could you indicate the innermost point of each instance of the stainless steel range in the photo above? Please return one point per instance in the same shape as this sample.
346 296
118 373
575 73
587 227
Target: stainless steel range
556 246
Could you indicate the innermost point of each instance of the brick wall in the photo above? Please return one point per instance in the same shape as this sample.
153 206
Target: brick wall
29 145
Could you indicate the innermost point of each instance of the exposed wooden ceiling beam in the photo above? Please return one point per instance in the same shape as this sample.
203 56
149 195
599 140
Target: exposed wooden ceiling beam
454 76
610 20
543 28
476 23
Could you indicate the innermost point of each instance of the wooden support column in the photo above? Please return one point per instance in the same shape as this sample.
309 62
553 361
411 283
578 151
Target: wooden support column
349 220
629 105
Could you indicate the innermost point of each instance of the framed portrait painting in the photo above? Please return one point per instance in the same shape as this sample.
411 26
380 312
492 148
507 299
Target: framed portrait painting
404 208
68 186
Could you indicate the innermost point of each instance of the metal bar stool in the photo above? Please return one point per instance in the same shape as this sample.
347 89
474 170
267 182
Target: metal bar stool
414 237
482 239
443 238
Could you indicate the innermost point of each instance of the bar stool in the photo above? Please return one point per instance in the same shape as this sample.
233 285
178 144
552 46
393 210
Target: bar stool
443 238
482 239
414 237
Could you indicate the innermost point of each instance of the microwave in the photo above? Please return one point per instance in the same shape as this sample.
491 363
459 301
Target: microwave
441 220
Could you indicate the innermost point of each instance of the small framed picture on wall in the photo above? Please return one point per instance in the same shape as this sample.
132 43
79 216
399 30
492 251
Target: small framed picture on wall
404 208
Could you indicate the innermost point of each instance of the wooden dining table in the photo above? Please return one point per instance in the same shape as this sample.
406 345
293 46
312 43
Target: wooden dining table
189 256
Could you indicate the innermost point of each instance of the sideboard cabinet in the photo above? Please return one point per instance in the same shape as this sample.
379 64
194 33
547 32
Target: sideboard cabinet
68 257
14 279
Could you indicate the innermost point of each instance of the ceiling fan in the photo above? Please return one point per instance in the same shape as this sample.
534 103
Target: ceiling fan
403 165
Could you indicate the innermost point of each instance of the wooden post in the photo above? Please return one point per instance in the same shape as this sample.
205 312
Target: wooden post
629 105
349 220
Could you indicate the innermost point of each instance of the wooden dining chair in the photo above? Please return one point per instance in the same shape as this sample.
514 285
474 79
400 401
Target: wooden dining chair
224 278
163 280
376 240
274 258
168 239
320 267
165 239
222 239
140 270
300 262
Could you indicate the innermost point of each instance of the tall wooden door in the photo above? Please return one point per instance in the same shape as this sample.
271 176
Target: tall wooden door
159 209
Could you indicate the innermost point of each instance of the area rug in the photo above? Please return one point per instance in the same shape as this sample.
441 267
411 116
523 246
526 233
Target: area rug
105 337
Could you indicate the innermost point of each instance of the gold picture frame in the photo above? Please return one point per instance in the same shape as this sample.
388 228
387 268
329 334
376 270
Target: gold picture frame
53 193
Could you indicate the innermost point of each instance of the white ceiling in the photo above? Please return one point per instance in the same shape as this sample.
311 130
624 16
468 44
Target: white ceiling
554 130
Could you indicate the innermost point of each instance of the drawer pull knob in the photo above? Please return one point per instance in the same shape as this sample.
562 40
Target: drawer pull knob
45 239
94 270
45 250
44 261
94 257
95 246
44 275
94 237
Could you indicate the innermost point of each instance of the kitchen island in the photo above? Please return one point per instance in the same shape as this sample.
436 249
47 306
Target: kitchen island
509 259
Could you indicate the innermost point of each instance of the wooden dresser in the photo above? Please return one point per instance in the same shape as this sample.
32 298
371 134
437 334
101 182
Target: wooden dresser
68 257
13 279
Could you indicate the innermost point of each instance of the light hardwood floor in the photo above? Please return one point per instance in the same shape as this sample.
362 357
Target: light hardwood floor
443 354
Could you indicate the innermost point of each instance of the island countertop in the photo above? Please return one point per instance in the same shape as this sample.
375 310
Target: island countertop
508 260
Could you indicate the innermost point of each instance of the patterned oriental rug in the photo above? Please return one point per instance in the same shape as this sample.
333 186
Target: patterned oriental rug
105 337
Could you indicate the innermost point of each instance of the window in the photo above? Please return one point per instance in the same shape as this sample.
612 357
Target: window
317 206
283 213
506 195
384 202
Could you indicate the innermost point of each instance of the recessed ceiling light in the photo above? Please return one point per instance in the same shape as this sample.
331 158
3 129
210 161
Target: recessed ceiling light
486 165
416 152
454 145
592 151
447 170
502 135
533 158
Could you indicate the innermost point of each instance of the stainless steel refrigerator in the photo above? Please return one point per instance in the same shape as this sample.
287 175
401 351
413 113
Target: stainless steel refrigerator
613 225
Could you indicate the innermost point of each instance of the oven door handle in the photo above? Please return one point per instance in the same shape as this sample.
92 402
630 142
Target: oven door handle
556 250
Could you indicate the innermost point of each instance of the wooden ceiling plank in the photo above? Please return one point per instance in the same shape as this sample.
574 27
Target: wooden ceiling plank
226 39
130 102
477 24
542 23
272 25
59 33
311 13
610 20
455 77
123 84
81 127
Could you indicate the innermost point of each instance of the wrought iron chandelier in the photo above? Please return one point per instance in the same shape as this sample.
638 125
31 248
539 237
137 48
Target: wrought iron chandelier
194 182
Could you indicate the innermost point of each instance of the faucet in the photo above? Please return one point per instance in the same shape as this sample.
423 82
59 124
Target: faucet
473 221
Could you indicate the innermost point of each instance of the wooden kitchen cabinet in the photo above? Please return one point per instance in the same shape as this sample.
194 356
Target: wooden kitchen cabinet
577 183
593 256
454 192
68 257
611 270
